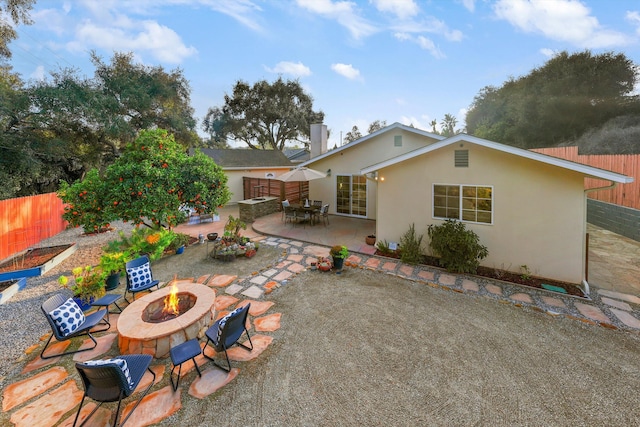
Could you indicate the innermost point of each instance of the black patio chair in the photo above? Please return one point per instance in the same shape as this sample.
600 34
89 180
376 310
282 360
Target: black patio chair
317 203
68 321
226 332
111 380
139 277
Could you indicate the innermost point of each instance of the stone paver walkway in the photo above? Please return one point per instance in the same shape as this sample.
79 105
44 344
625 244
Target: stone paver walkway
46 393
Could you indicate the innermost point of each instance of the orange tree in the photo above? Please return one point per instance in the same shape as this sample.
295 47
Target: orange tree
152 181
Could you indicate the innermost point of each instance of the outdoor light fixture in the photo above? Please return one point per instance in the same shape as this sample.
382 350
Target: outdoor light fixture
328 172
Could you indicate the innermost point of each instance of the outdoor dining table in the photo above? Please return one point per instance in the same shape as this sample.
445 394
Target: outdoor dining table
311 209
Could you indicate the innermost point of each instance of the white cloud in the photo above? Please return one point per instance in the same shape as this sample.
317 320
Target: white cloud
346 70
470 5
549 53
401 8
342 12
427 44
243 11
158 40
38 73
297 69
563 20
634 18
418 123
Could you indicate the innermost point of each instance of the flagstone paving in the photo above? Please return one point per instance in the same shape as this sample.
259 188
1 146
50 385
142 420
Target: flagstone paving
47 393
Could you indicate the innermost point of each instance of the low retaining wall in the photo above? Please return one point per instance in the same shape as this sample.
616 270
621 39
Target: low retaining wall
619 219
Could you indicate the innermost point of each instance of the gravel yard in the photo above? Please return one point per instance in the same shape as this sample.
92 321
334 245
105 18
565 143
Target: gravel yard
367 348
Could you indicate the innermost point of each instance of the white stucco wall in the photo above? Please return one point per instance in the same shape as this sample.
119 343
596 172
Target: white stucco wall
350 161
538 209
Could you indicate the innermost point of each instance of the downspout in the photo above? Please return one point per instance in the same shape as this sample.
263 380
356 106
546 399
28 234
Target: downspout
585 283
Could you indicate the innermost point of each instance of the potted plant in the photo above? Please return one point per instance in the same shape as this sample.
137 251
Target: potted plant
324 264
370 239
87 285
179 241
339 253
112 265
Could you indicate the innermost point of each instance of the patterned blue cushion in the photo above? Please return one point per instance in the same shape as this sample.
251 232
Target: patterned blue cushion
67 317
120 363
139 277
222 321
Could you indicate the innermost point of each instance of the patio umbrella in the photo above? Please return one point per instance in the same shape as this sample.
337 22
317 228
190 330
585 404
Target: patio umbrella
301 174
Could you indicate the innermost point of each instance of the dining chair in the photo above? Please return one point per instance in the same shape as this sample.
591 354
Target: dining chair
285 204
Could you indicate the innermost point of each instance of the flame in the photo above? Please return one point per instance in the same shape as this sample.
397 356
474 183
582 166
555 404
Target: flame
171 301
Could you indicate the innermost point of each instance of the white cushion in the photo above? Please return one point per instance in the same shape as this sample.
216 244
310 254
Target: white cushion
68 317
120 363
140 276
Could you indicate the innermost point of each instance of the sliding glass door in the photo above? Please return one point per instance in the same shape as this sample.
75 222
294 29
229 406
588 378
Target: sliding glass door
351 195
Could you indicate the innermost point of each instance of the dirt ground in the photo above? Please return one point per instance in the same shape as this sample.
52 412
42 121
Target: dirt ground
364 348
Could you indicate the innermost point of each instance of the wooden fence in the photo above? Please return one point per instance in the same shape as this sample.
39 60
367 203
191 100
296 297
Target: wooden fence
627 164
26 221
260 187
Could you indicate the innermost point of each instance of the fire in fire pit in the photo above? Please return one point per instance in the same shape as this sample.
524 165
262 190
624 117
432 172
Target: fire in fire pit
172 306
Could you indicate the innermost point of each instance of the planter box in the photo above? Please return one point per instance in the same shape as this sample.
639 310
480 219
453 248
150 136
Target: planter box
12 288
66 251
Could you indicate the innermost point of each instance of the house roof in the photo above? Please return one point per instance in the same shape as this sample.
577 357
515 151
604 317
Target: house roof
297 155
247 158
365 138
589 171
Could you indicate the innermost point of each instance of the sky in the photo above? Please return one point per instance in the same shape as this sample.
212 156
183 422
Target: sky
407 61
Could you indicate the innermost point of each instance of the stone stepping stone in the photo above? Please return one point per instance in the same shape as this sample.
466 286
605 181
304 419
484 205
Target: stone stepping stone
257 307
296 268
260 344
591 312
154 408
253 292
22 391
147 377
47 410
104 345
101 418
39 362
211 381
221 280
224 301
268 323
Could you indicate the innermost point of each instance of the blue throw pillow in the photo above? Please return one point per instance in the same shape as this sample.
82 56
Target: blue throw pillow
68 317
139 277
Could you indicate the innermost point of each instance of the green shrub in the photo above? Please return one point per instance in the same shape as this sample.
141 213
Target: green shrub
459 249
383 247
411 246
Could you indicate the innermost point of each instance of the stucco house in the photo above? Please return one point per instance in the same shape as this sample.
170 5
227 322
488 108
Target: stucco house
240 163
527 208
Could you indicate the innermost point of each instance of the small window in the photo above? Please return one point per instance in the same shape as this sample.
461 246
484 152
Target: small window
461 159
468 203
397 141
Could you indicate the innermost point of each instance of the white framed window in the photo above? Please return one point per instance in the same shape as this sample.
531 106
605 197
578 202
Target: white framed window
469 203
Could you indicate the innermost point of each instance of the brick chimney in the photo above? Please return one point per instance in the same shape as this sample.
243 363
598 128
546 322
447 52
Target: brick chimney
318 144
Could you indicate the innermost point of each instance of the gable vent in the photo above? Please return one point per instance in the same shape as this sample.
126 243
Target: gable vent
462 158
397 141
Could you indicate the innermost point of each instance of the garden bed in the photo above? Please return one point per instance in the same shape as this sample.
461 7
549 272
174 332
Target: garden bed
35 262
510 277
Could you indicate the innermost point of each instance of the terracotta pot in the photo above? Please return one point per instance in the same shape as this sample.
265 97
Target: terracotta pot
324 266
370 240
